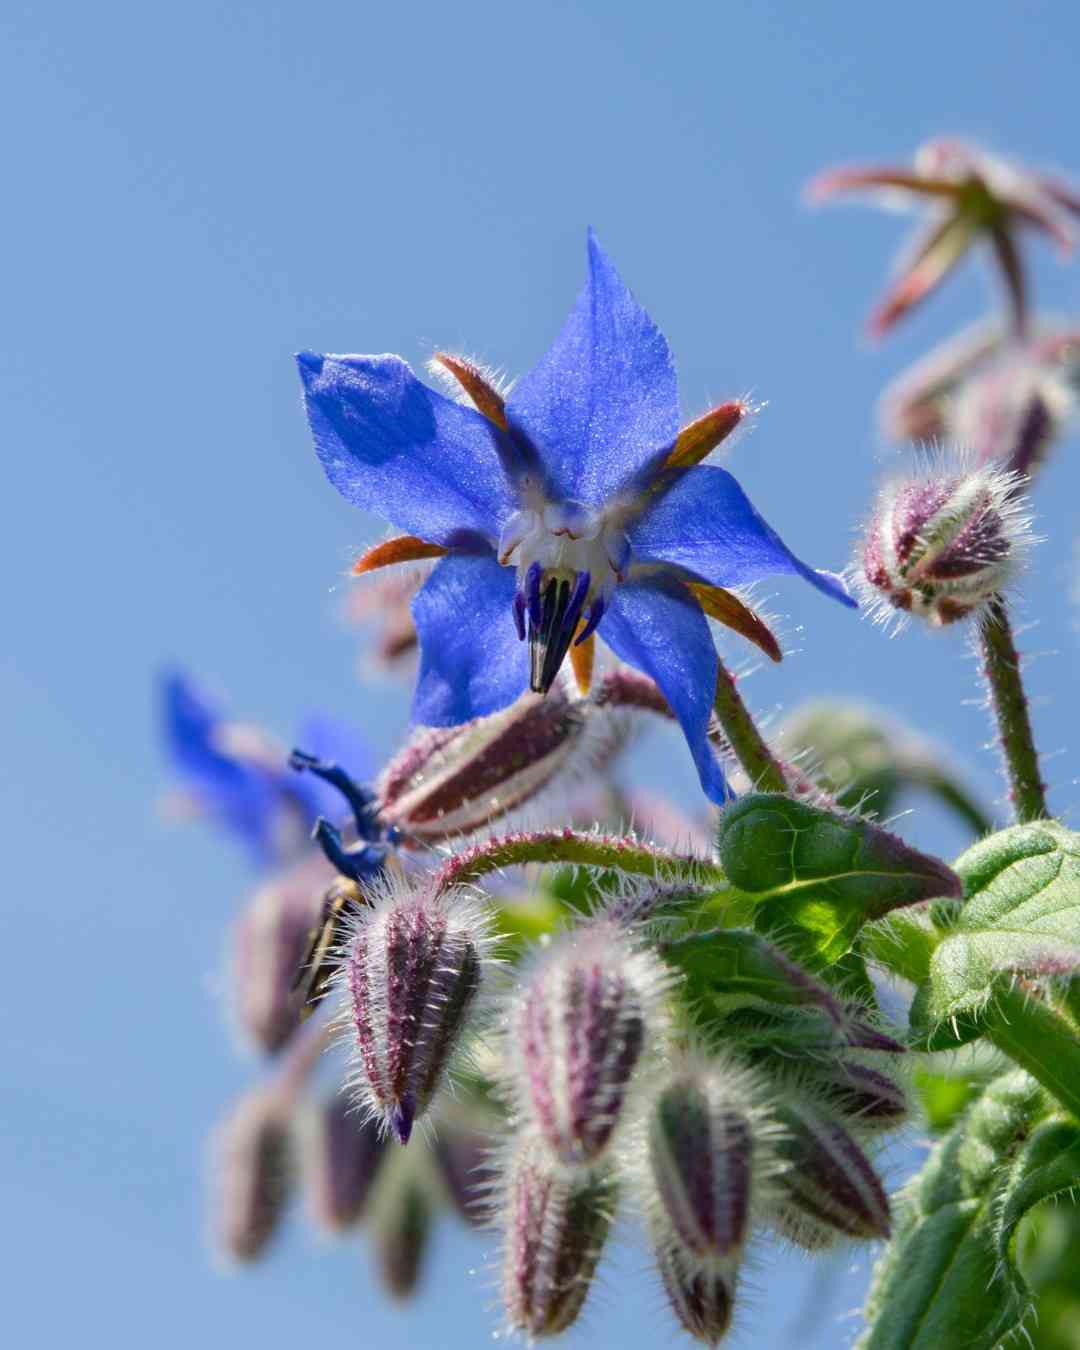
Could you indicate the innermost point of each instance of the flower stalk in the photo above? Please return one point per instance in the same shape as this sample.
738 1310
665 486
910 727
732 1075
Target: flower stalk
1001 666
743 736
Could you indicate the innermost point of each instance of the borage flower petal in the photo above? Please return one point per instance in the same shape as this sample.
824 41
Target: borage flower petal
655 626
603 402
706 524
391 445
471 662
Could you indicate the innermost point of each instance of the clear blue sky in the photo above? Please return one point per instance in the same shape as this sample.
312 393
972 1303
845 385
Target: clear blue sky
194 191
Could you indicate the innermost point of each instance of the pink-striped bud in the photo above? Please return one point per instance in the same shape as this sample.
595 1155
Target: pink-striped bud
942 545
701 1152
412 970
453 781
270 941
343 1154
702 1297
1012 412
254 1174
555 1223
582 1018
461 1153
829 1178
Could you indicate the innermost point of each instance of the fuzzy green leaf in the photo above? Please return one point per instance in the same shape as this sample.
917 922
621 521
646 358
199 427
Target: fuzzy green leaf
1021 916
817 876
948 1277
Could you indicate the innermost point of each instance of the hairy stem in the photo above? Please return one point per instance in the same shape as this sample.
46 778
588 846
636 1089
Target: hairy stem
953 793
1001 665
623 854
1040 1040
743 736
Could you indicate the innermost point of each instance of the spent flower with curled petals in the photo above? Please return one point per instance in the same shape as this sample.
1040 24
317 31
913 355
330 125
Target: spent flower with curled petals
970 196
572 506
942 544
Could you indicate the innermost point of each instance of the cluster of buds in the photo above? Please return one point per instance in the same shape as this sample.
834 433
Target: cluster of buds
941 545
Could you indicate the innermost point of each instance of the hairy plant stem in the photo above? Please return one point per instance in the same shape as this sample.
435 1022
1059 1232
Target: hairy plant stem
1001 665
743 736
574 846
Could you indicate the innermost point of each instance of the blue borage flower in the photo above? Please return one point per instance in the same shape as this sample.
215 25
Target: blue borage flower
238 777
570 508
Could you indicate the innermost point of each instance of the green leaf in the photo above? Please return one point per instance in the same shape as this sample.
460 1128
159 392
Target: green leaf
948 1277
943 1097
1021 916
817 876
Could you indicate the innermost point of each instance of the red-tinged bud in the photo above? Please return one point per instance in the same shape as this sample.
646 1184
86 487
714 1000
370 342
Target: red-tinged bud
401 1219
555 1222
943 545
342 1157
254 1174
270 941
412 970
582 1018
701 1297
453 781
828 1177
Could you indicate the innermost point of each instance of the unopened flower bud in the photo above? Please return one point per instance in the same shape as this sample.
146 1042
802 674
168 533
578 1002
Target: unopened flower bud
342 1159
269 943
401 1219
412 971
702 1297
917 406
452 781
1011 413
866 1097
943 545
828 1178
254 1174
461 1153
701 1157
581 1020
555 1224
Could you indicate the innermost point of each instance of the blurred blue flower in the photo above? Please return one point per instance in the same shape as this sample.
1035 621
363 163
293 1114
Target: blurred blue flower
566 509
237 776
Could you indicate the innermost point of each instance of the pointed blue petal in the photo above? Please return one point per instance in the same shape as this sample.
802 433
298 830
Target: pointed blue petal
706 524
654 626
603 402
392 446
471 661
241 797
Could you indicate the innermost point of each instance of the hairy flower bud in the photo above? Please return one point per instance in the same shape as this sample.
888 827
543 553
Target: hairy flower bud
1011 413
828 1178
866 1097
942 545
254 1174
581 1020
701 1154
343 1155
461 1153
701 1297
269 943
555 1222
401 1220
411 972
452 781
